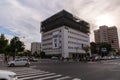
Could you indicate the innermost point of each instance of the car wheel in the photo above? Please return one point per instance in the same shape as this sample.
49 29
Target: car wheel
12 65
27 65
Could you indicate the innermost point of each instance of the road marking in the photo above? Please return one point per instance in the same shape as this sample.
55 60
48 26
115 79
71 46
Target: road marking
27 75
76 79
34 74
28 71
32 77
112 63
66 77
19 69
48 77
24 73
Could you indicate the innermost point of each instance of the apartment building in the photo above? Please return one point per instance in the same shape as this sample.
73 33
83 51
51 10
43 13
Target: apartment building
35 47
64 35
107 34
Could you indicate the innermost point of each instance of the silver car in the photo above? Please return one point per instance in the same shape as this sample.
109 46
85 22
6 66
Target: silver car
19 62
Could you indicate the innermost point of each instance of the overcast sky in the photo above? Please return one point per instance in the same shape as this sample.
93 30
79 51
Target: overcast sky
22 17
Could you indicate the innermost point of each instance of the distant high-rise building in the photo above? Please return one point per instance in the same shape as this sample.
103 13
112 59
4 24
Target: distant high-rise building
107 34
35 47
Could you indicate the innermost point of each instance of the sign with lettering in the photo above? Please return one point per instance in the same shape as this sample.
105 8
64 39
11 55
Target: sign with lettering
56 39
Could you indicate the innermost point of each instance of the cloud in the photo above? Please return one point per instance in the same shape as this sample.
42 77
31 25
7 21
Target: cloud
24 16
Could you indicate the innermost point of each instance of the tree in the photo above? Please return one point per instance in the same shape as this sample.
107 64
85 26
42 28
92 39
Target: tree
93 48
27 53
3 43
106 46
35 54
86 49
8 50
42 54
16 45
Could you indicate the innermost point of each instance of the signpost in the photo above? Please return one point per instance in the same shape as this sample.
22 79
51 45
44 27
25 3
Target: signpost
103 50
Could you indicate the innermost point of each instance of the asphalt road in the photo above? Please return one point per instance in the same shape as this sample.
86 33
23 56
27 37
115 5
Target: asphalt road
107 70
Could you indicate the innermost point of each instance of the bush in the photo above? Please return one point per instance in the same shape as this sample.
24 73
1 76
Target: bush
42 54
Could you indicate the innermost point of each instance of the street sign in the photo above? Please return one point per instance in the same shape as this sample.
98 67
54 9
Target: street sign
103 49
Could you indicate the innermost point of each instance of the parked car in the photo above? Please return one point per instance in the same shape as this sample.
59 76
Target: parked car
117 57
19 62
96 58
7 75
54 58
112 57
106 58
33 59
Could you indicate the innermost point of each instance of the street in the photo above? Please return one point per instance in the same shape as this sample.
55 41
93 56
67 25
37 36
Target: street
105 70
47 69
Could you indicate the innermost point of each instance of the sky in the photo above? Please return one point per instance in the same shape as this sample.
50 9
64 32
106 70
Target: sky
23 18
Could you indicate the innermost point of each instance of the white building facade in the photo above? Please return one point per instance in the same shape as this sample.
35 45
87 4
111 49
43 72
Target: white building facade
64 41
35 47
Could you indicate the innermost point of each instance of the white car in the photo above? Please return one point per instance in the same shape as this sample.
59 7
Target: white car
54 58
32 59
19 62
7 75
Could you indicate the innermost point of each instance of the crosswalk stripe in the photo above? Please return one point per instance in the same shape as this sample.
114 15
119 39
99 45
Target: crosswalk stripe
25 70
48 77
17 70
23 73
34 74
66 77
33 77
27 75
28 71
